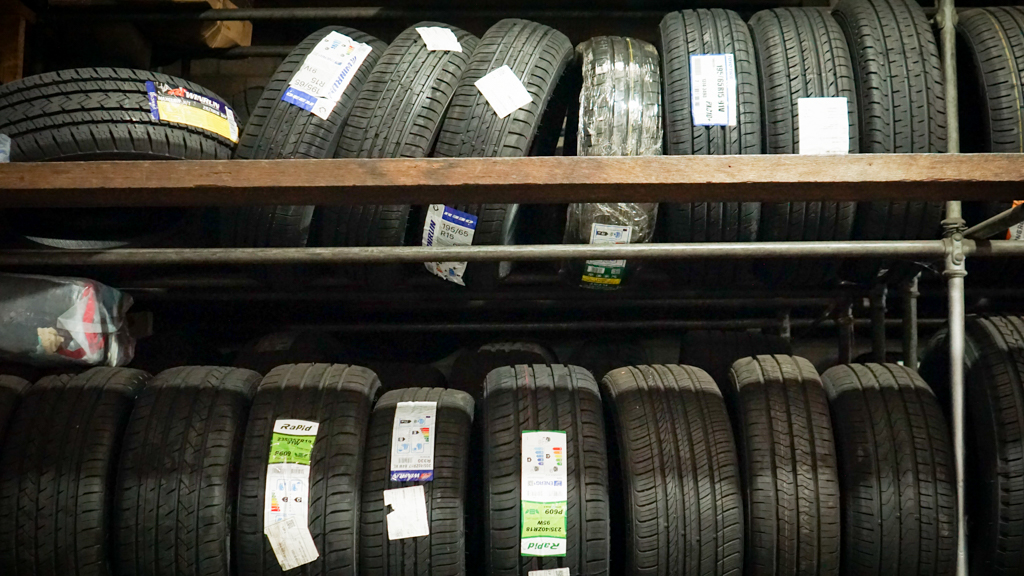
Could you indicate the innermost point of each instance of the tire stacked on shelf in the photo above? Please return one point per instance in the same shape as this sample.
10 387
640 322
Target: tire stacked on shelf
471 368
715 351
682 35
538 56
397 114
544 398
801 53
902 109
679 478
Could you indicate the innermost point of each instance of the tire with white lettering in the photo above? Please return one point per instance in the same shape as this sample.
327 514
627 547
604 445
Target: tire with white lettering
681 35
801 53
896 472
279 129
339 398
57 472
788 457
443 551
538 55
471 368
397 114
902 109
679 479
177 468
540 398
11 388
715 351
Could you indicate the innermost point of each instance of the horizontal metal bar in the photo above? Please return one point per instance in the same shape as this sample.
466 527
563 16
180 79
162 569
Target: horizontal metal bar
997 224
996 248
347 14
539 180
373 254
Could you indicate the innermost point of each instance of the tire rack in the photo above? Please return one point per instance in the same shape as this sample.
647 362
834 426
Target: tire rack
546 180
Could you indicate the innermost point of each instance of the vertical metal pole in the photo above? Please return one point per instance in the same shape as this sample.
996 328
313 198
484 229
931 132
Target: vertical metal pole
845 323
878 323
910 295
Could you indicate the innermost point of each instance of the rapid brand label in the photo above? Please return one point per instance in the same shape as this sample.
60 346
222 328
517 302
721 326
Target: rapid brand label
544 493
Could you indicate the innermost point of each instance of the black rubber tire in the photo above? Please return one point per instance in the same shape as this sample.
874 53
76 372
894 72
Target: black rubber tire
339 397
788 457
278 129
600 357
471 368
244 103
801 53
443 552
398 375
57 473
544 398
292 347
896 472
669 431
715 351
713 31
11 388
538 55
177 469
994 430
902 110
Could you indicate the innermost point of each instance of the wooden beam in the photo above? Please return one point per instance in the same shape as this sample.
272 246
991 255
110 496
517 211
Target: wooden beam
13 18
781 178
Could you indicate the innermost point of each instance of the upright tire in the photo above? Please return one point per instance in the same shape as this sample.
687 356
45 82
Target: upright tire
801 53
680 480
279 129
714 31
339 398
11 389
896 472
788 458
471 368
57 471
902 110
177 469
538 56
397 114
526 398
443 552
714 352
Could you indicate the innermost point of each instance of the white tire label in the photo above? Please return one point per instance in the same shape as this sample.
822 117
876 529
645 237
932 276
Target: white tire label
544 493
446 226
606 273
824 125
292 543
504 91
286 499
550 572
412 442
325 74
438 38
408 518
713 89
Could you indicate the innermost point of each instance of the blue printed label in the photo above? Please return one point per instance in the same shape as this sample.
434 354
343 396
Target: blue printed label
299 98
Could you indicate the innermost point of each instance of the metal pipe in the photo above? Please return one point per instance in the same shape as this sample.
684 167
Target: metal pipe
878 323
955 275
946 18
910 295
349 14
997 224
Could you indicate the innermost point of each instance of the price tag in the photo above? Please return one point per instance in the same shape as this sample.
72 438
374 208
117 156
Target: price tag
551 572
5 148
504 91
412 442
439 38
713 89
544 493
824 125
408 518
292 544
446 226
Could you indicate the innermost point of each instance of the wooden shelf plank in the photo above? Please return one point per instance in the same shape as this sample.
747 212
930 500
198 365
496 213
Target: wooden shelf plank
525 180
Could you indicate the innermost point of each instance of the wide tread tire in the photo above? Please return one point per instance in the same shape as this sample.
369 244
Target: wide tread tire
788 457
714 31
715 351
176 484
278 129
443 552
538 55
896 472
801 53
544 398
57 473
902 110
471 368
11 389
680 478
339 397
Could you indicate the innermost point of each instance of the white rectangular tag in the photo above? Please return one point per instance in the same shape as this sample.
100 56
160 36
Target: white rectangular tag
292 544
713 89
550 572
5 148
408 518
446 226
287 487
325 74
439 38
824 125
543 493
504 91
412 442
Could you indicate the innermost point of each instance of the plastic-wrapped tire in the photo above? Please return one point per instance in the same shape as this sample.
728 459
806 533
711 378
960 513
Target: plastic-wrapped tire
670 433
87 114
177 468
683 34
994 410
896 472
11 388
801 53
538 55
471 368
902 110
279 129
566 398
443 552
788 458
715 351
397 114
339 397
620 115
57 472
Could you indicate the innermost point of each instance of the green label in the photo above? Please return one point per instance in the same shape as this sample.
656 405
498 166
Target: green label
290 449
543 519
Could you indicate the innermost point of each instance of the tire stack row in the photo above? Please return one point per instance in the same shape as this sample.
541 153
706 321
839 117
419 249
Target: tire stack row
116 472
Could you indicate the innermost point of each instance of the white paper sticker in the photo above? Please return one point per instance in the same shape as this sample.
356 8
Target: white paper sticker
544 493
503 91
412 442
287 488
551 572
5 148
824 125
292 544
325 74
713 89
408 518
439 38
446 226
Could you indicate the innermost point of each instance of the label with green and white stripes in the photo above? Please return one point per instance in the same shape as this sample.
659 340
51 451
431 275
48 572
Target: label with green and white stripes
544 493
